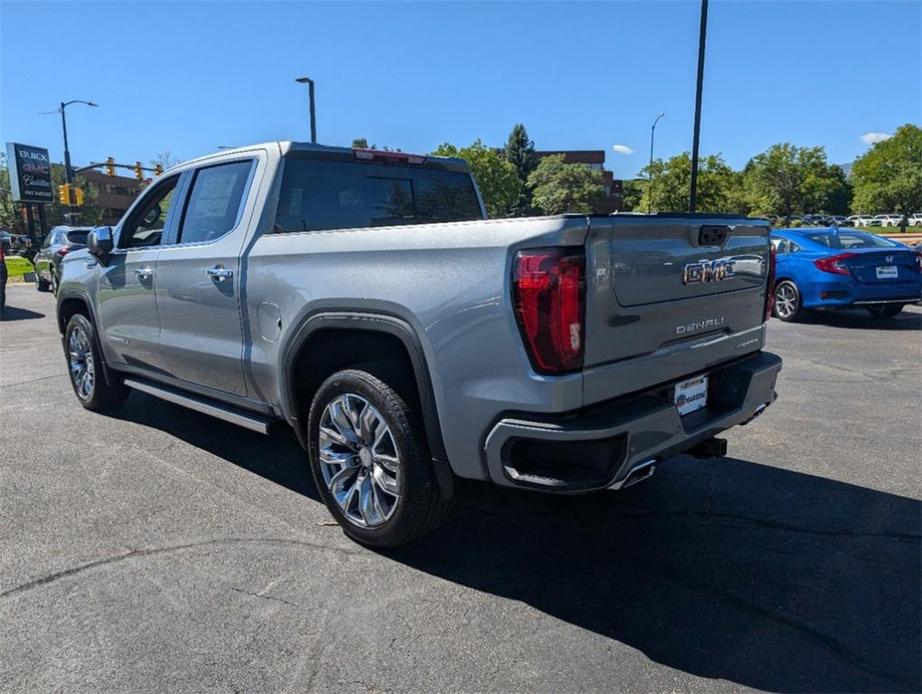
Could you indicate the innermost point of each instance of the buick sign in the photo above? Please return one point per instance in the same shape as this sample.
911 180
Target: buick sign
30 173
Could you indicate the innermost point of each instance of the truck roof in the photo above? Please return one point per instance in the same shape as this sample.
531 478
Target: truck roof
286 146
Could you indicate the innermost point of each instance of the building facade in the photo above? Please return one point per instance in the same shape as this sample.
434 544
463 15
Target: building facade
116 193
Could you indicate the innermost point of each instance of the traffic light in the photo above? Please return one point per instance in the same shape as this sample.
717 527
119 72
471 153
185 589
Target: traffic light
78 193
158 169
64 194
110 166
138 172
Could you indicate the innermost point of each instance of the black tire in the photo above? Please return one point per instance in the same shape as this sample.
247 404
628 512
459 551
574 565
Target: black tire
100 396
420 507
788 304
40 284
885 310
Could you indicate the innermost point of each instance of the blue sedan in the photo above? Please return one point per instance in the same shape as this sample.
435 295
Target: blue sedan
824 268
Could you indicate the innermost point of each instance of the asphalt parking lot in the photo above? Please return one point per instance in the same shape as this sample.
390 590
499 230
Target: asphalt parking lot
164 550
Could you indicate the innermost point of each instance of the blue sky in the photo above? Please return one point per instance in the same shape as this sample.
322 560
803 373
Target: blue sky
187 77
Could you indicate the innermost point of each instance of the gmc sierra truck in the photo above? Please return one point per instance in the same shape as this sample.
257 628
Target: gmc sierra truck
364 298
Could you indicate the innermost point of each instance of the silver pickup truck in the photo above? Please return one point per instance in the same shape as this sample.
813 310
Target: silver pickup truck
363 298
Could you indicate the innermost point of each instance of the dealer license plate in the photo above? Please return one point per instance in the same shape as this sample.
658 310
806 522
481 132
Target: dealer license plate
691 395
887 272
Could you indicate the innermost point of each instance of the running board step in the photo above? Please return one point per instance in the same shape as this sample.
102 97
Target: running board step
199 404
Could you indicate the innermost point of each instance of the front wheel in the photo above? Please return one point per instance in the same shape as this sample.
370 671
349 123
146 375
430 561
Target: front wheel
84 365
885 310
787 301
370 460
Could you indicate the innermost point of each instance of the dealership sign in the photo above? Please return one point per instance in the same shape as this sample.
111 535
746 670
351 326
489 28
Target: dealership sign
30 173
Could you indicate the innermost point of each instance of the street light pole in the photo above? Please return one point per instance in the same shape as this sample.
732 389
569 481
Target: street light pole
68 173
650 168
310 94
702 38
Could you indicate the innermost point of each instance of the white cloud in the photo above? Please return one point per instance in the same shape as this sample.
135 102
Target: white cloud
873 138
622 149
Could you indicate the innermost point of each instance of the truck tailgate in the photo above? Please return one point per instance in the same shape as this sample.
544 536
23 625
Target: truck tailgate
668 296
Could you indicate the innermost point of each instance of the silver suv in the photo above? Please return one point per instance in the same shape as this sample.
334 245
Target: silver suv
362 298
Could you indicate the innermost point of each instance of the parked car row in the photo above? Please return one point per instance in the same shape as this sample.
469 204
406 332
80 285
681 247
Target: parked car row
14 243
855 220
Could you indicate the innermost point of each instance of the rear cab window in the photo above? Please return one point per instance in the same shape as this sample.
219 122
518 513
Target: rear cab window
320 195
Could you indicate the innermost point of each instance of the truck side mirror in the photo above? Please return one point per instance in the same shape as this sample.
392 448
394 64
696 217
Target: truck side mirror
99 241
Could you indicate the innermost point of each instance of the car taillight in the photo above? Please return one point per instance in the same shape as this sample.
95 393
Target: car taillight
388 157
770 286
834 264
64 250
548 287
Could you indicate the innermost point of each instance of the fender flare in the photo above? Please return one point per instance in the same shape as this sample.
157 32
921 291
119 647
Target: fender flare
64 295
389 324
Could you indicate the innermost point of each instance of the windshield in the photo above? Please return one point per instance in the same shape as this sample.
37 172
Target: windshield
850 239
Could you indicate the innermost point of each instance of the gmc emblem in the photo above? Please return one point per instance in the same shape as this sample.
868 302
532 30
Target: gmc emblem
707 271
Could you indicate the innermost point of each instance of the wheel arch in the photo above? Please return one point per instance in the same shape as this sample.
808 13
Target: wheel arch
385 328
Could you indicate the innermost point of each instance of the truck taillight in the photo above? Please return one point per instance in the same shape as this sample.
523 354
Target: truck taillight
549 287
834 264
770 287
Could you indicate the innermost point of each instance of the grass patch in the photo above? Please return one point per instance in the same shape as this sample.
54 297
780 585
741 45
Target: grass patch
17 267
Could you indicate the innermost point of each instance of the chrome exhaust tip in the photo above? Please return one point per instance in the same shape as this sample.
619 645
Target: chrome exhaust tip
639 473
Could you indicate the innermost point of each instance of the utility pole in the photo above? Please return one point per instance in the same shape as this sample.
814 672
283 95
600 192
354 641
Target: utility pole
310 95
702 38
650 168
68 172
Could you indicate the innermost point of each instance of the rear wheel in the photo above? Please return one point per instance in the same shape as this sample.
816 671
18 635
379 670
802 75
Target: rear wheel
787 301
84 365
371 462
885 310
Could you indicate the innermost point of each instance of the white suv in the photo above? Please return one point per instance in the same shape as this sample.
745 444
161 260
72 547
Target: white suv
916 219
889 220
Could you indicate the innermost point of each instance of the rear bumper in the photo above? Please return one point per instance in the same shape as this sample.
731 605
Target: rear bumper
844 293
598 447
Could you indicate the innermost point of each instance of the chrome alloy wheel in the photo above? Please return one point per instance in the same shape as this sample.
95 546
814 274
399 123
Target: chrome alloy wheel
785 300
359 460
80 359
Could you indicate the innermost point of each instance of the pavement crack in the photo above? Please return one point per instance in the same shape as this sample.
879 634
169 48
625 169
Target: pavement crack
57 575
263 596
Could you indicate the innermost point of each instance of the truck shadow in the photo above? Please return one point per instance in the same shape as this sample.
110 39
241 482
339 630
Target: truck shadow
721 568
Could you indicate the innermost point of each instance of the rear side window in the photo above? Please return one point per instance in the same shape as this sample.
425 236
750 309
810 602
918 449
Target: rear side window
78 236
321 195
214 201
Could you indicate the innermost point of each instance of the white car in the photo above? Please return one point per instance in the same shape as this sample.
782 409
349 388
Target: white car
889 220
916 219
866 220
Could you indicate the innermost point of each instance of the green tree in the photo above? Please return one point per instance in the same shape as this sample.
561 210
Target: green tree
496 178
558 187
360 143
520 152
789 180
671 185
888 177
633 192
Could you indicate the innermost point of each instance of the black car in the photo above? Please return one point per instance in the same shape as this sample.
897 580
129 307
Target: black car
4 247
60 241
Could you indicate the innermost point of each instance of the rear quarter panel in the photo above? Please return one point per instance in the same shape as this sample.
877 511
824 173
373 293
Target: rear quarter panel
449 282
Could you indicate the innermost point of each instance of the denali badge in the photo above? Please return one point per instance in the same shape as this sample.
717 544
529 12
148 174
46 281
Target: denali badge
699 325
707 271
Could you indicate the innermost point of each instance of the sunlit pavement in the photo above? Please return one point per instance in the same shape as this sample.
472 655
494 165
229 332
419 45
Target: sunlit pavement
164 550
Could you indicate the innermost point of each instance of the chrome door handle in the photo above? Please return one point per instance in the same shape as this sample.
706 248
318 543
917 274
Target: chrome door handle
219 273
143 272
